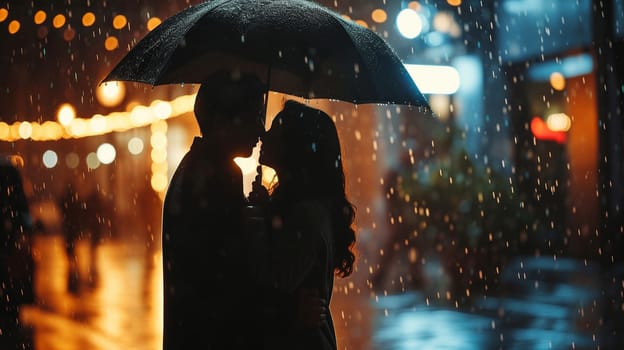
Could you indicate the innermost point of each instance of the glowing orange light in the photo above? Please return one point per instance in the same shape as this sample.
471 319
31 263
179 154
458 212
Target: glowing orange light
4 13
454 2
111 43
379 16
40 17
557 81
119 21
414 5
540 130
153 23
14 26
88 19
362 23
58 21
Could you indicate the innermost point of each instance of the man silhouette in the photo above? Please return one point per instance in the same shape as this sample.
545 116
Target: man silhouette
208 303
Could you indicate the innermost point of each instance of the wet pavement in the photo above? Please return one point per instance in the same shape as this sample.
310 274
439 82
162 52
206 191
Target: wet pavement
546 304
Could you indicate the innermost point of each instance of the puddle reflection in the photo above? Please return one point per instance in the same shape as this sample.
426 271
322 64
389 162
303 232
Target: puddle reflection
549 307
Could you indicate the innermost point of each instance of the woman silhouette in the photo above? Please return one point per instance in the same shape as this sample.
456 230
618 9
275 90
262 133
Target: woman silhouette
308 236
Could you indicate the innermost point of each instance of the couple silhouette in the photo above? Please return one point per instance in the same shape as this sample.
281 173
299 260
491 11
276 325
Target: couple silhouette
255 277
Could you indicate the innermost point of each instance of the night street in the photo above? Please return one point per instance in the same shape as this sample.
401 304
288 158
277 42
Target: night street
124 310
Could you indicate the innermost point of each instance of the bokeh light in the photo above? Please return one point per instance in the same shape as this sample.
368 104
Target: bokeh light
135 146
111 43
65 114
557 81
88 19
159 182
58 21
110 94
92 161
40 17
119 21
106 153
409 23
379 16
14 27
4 13
50 159
559 122
25 130
454 2
153 23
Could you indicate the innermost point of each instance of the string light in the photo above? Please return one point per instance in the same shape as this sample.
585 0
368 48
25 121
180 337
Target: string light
71 127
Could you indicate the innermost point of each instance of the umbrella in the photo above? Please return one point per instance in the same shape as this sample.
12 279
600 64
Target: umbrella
302 48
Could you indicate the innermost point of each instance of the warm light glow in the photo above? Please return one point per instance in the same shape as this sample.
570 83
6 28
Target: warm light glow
414 5
4 130
159 182
153 23
78 128
362 23
409 23
14 27
119 21
50 159
158 155
110 94
65 114
443 22
111 43
71 127
25 130
557 81
135 146
40 17
541 131
58 21
158 140
4 13
559 122
440 105
161 109
140 115
269 177
247 165
106 153
432 79
454 2
379 16
88 19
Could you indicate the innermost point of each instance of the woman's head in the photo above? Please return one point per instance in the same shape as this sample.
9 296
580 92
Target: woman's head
304 149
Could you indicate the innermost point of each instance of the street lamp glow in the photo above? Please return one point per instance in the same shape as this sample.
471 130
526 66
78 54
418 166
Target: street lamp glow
110 94
409 23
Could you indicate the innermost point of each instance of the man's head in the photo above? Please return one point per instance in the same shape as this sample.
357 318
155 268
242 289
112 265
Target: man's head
230 106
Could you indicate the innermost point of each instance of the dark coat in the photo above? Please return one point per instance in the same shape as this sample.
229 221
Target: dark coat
208 301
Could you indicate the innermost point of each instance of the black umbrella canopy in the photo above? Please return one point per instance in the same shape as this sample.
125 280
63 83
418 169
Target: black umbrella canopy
302 49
